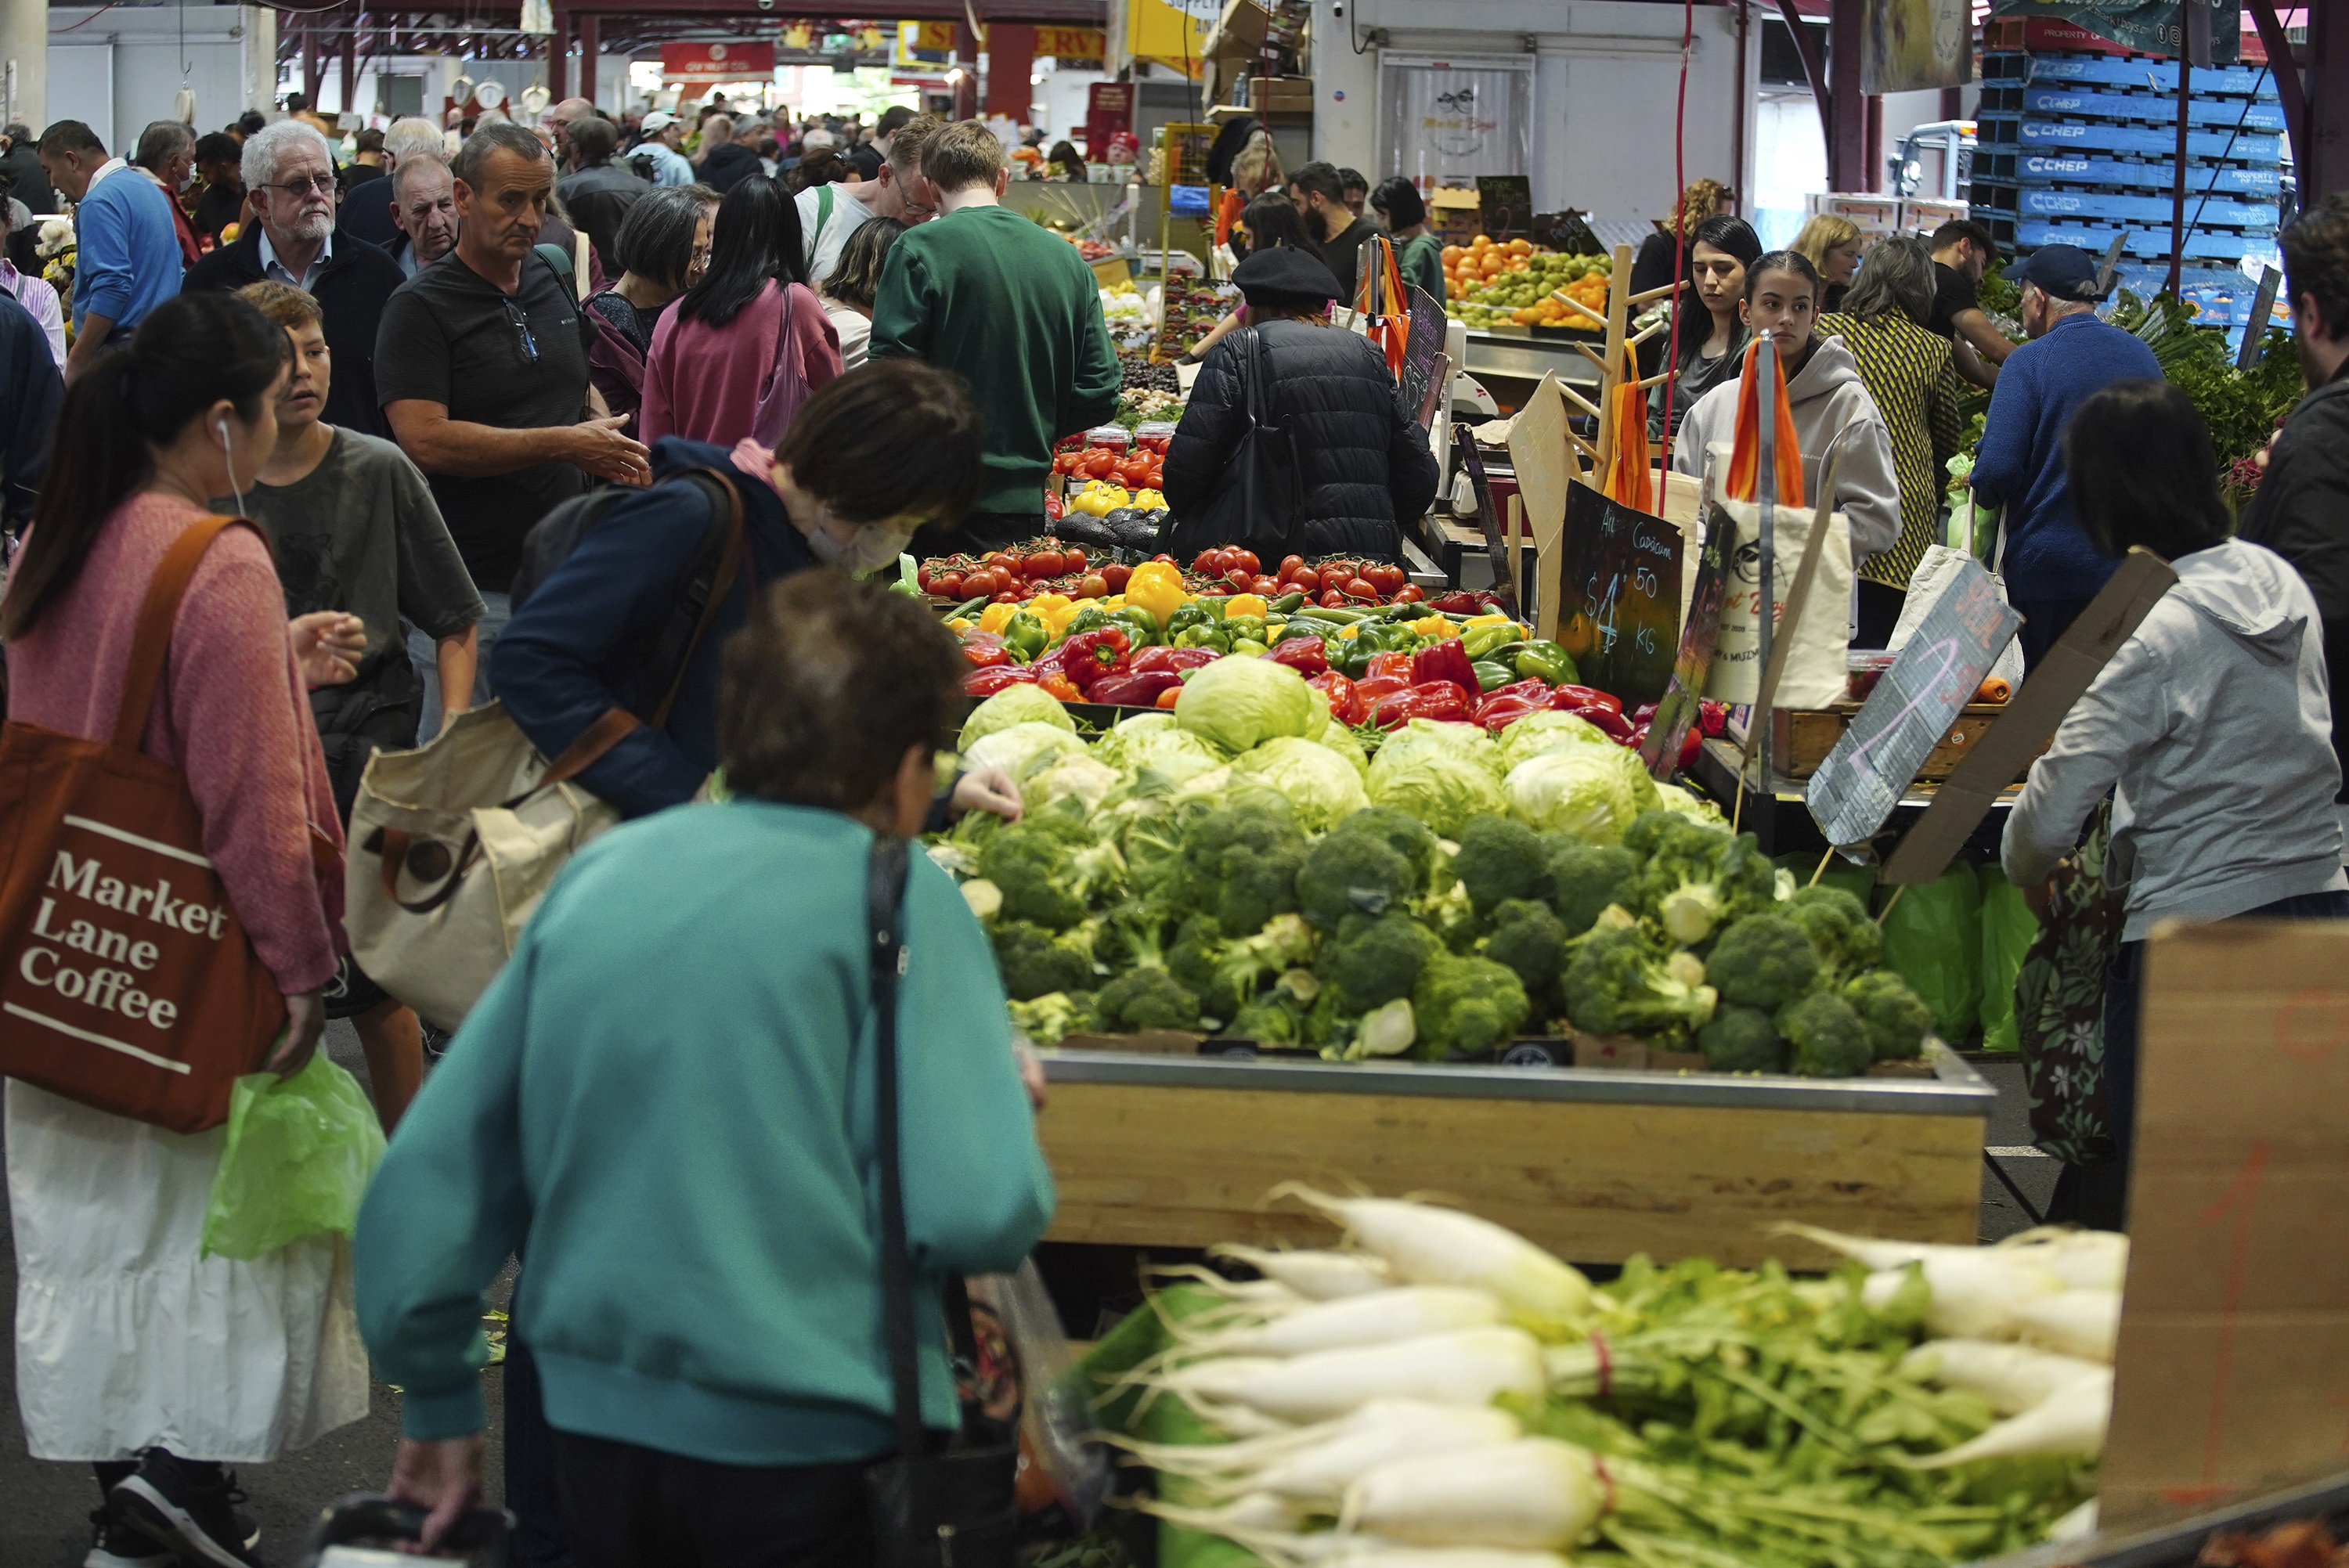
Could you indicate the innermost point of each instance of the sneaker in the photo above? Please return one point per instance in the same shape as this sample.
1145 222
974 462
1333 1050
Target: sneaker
114 1544
196 1517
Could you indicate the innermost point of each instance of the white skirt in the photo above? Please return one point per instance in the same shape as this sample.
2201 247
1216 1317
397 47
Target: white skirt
127 1336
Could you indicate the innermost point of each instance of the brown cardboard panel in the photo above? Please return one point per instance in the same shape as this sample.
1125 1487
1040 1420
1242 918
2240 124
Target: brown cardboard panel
2234 1366
2030 719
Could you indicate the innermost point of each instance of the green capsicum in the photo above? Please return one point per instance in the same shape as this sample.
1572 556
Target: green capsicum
1547 661
1479 642
1491 676
1084 621
1250 627
1247 647
1186 616
1026 636
1203 637
1139 623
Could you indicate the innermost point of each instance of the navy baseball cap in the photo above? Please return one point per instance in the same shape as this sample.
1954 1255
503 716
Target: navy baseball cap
2062 272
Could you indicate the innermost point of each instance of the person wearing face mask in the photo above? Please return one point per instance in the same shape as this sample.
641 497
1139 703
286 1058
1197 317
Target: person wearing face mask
874 454
290 171
138 1353
1833 413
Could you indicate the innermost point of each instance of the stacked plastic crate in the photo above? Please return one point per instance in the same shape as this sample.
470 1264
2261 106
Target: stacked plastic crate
2078 148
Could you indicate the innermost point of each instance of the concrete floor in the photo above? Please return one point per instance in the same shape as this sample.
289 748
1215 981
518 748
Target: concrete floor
44 1507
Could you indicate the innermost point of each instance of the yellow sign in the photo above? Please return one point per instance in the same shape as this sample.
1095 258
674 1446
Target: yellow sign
1169 34
1071 42
926 37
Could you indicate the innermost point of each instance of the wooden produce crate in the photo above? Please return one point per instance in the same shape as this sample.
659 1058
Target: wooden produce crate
1170 1151
1800 738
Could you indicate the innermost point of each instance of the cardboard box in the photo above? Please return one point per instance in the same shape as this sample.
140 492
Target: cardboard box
1280 95
1453 214
1239 33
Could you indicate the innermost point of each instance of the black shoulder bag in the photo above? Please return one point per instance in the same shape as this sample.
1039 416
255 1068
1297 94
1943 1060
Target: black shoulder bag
1258 502
951 1510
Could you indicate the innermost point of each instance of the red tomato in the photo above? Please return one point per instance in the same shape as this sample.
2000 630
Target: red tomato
1291 565
1361 589
949 586
1093 585
1267 587
1167 559
1246 558
1209 562
922 576
1115 576
1100 465
1007 597
1156 479
1385 576
1331 599
1217 590
1240 577
1002 558
1074 556
1045 563
1410 593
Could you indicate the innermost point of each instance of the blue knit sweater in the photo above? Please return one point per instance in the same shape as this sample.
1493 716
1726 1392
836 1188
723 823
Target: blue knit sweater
2019 467
128 260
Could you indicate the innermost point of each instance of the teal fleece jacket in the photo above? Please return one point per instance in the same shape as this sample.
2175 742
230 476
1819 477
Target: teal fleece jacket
664 1103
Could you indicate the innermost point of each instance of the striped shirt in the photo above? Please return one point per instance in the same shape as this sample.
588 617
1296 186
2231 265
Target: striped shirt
1908 370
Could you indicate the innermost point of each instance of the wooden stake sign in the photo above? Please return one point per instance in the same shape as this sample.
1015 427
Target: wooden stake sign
1540 451
2233 1364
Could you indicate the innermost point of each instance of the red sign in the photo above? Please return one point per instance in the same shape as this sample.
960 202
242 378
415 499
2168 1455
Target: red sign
1109 110
703 64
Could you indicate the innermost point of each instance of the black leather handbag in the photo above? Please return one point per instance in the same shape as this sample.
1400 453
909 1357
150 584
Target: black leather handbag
951 1508
1260 500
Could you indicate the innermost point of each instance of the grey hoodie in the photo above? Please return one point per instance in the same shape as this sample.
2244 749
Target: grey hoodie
1832 411
2214 722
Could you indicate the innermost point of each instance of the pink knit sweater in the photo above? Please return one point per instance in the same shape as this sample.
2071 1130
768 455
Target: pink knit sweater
231 713
704 382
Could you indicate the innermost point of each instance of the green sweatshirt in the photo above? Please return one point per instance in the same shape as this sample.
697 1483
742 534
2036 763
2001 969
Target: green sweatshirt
665 1104
1016 311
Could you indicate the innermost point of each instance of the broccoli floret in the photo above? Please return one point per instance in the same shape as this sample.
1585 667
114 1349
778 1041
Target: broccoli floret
1240 862
1847 942
1829 1040
1048 1019
1374 960
1699 878
1274 1019
1500 858
1049 868
1898 1019
1035 962
1618 983
1586 878
1653 829
1764 961
1527 941
1407 836
1354 873
1465 1005
1742 1040
1147 998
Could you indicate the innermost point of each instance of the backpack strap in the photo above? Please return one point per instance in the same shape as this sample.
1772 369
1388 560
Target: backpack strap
710 583
157 614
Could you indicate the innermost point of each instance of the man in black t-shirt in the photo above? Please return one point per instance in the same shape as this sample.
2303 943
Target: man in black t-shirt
1318 191
1961 254
481 365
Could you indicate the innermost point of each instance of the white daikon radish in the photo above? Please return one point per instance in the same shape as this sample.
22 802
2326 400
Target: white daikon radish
1466 1366
2076 1525
2083 1323
1321 1474
1406 1312
2012 1377
1239 1421
1267 1295
1258 1510
2084 1259
1424 1244
1976 1291
2071 1420
1320 1276
1875 1252
1537 1494
1241 1461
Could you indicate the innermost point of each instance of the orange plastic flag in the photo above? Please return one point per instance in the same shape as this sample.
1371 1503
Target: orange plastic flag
1629 478
1745 455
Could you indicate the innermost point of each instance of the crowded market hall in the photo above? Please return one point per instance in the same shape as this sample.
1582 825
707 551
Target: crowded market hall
1618 717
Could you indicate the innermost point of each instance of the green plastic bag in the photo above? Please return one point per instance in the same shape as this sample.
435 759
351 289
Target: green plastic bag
2007 927
1932 939
299 1153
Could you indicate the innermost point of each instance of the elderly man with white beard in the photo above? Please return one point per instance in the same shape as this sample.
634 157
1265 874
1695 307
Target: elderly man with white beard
289 174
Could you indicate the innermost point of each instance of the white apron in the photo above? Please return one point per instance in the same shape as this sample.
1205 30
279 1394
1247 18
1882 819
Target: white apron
127 1337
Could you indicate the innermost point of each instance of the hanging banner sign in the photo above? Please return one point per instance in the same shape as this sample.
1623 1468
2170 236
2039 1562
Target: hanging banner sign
2151 27
704 64
1907 46
1071 42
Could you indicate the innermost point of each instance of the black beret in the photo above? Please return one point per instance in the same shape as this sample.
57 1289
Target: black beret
1283 276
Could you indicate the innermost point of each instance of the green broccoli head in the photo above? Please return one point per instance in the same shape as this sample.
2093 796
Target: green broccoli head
1528 940
1586 878
1500 858
1407 836
1762 961
1048 1019
1653 829
1243 967
1353 874
1847 942
1830 1041
1240 862
1274 1019
1699 878
1465 1005
1030 863
1619 982
1147 998
1374 960
1035 962
1898 1019
1742 1040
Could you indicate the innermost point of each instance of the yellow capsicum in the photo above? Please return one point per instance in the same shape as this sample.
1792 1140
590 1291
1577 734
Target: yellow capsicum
992 618
1055 609
1156 587
1244 604
1436 626
1487 620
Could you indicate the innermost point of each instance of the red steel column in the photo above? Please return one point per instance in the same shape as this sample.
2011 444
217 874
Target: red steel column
591 43
1010 57
558 58
1847 119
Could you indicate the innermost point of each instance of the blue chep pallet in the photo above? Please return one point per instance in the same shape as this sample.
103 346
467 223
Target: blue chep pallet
2145 141
2036 202
2136 75
2079 103
2077 169
2152 242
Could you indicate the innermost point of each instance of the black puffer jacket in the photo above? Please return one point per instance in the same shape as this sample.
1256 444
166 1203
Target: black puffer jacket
1366 466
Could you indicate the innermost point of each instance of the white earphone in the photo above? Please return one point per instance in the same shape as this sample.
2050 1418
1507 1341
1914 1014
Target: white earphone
229 454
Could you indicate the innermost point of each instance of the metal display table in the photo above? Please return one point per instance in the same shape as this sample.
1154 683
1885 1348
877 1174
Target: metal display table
1596 1165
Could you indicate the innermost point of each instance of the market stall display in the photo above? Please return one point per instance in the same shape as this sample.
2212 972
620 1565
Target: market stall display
1487 284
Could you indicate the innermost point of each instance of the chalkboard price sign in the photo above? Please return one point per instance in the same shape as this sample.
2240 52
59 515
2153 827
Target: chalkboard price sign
1504 203
1619 599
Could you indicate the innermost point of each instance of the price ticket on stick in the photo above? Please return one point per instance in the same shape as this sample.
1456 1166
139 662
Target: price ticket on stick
1700 631
1504 569
1858 782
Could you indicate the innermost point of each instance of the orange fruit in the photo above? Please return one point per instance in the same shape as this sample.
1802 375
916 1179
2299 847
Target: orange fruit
1481 243
1520 247
1452 255
1526 317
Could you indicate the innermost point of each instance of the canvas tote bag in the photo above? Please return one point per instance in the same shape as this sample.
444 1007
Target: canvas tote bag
126 981
453 844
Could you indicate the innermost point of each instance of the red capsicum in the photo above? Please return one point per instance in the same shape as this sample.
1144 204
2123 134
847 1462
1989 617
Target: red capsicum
1392 664
1134 688
1504 708
1445 661
1371 690
988 682
1152 660
1305 655
1089 656
985 650
1344 698
1430 699
1606 719
1571 698
1691 743
1713 717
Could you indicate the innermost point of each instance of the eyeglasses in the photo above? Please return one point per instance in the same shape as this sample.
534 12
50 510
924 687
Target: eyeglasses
522 325
304 186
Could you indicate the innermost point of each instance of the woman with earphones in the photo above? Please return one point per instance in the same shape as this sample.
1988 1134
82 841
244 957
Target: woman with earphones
130 1340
